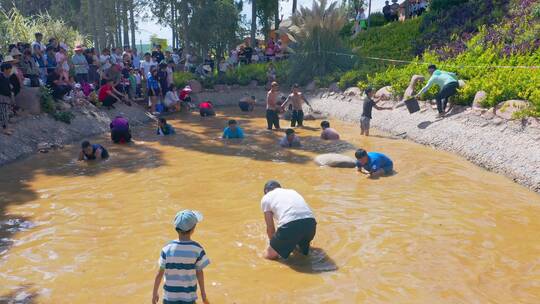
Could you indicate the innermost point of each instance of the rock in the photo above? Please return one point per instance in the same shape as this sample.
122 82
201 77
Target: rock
507 109
497 121
354 91
64 106
479 97
334 87
331 93
488 115
533 122
311 86
335 160
28 100
196 86
410 89
461 83
315 115
385 93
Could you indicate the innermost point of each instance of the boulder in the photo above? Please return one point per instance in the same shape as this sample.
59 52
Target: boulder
479 97
196 86
409 92
507 109
354 91
333 87
28 100
335 160
385 93
311 86
315 115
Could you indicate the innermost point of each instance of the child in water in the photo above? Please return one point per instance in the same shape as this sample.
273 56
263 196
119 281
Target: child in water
182 262
164 128
233 130
91 152
290 140
376 164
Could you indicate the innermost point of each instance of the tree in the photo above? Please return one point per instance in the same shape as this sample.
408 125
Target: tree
253 36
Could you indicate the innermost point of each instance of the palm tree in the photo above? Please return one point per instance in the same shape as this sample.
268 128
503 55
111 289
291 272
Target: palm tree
253 21
294 4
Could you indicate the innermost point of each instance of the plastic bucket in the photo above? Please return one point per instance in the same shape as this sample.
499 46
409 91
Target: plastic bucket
412 105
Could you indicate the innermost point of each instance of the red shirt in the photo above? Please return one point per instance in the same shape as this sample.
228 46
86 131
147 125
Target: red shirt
184 93
104 92
205 105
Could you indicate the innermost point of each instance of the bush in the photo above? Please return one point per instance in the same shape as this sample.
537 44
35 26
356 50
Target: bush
181 79
440 5
244 74
64 116
47 101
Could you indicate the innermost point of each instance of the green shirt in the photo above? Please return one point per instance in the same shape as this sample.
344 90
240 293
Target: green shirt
440 78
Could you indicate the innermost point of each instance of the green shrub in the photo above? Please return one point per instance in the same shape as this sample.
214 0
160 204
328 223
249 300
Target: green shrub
441 5
46 100
536 11
64 116
244 74
181 79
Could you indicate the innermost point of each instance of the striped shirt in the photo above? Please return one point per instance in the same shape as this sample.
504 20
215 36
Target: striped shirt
181 260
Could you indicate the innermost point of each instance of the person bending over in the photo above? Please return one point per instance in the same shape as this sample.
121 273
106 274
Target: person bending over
376 164
327 132
120 132
164 128
447 83
247 104
296 225
108 94
206 108
92 152
233 130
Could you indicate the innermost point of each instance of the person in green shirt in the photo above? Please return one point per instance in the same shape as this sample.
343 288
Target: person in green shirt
448 84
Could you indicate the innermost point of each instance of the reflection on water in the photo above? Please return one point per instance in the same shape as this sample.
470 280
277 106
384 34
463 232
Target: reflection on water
440 231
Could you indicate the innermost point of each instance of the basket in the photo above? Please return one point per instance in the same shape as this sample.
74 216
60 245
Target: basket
412 105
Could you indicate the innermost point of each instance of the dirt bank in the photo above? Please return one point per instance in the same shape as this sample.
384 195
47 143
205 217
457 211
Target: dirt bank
31 130
511 148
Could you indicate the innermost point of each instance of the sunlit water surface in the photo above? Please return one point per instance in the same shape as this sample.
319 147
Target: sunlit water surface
439 231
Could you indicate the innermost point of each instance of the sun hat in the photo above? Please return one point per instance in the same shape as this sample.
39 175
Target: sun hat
10 58
78 48
185 220
15 52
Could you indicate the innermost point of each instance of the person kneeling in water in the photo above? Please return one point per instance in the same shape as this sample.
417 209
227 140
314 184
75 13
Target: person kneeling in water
295 220
164 128
233 130
290 140
120 132
206 109
91 152
376 164
328 133
247 104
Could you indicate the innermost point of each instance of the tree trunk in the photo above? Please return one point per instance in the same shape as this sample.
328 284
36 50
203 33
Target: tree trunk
185 25
125 24
132 25
276 19
253 21
100 24
294 4
93 18
173 23
118 18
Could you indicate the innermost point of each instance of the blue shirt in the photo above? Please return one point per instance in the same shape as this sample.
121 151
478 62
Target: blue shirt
376 161
181 260
228 133
152 82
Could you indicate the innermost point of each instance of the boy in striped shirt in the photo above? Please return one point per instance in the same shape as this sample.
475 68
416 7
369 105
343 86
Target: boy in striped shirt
182 262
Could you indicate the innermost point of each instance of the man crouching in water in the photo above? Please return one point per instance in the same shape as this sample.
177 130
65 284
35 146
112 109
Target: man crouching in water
91 152
295 221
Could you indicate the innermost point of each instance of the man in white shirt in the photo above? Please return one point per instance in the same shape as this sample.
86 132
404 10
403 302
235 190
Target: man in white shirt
147 64
38 43
295 221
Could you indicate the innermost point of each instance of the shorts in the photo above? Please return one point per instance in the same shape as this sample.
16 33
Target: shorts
389 169
151 92
364 123
245 106
288 236
177 302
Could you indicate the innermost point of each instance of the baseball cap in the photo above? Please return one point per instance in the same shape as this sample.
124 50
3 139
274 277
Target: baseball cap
185 220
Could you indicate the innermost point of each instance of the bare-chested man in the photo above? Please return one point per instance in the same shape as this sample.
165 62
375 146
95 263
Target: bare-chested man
297 99
272 108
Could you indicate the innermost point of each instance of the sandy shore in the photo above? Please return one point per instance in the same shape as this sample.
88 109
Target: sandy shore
511 148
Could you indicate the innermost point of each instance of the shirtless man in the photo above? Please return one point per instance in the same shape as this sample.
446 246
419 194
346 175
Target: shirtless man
272 108
297 99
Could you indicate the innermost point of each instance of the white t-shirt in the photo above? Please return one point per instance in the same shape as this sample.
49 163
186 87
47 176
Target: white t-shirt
171 98
287 205
147 65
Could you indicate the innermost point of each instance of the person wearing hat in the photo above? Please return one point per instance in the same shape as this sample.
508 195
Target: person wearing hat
296 225
17 77
80 65
182 262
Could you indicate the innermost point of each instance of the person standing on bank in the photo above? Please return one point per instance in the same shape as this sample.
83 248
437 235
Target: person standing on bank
448 84
272 108
297 99
295 221
369 104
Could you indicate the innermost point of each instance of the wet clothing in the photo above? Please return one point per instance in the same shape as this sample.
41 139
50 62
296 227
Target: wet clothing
95 147
229 133
245 106
272 119
297 117
286 144
377 161
295 221
206 109
367 107
165 130
120 130
365 123
329 134
180 260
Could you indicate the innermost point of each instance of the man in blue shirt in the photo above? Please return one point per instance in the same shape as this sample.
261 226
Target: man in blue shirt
376 164
233 130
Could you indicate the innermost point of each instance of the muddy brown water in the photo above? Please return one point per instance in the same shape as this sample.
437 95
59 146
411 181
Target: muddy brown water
439 231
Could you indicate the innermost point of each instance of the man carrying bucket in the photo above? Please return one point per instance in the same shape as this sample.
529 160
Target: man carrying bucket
448 84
